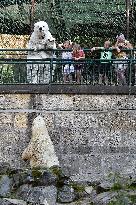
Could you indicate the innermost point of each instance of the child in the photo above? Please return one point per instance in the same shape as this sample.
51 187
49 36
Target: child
105 66
68 69
78 54
121 66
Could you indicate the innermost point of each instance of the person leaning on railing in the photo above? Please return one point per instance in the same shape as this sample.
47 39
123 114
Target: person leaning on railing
78 54
121 66
105 65
68 68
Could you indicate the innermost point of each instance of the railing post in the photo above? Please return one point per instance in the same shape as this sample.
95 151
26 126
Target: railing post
130 71
51 69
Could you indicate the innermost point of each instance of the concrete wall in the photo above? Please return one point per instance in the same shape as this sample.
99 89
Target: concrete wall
92 134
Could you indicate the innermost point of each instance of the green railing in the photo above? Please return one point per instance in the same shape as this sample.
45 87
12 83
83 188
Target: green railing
15 68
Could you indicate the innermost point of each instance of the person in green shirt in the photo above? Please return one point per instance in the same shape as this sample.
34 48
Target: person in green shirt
105 65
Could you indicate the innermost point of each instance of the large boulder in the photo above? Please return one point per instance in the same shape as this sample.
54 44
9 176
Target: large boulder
49 176
38 195
43 177
22 177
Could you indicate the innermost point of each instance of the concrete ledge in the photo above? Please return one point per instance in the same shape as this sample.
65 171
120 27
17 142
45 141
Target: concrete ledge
65 89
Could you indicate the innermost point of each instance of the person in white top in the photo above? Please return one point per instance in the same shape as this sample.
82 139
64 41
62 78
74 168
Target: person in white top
68 68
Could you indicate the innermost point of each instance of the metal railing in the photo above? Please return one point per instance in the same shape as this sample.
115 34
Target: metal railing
15 68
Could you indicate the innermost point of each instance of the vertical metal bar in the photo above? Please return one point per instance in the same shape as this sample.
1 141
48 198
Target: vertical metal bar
32 14
1 67
127 17
19 74
130 71
51 70
93 73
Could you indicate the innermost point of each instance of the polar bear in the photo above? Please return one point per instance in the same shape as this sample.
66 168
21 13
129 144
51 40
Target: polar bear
41 38
40 151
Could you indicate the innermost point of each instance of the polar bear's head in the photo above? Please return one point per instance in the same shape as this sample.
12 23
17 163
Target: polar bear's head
38 122
39 126
41 29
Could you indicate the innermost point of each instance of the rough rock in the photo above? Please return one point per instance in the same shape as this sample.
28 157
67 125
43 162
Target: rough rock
6 201
66 194
104 186
104 198
88 189
44 178
5 185
38 195
86 201
4 168
22 177
87 179
48 179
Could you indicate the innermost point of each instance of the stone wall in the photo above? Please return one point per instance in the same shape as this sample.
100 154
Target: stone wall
13 41
92 134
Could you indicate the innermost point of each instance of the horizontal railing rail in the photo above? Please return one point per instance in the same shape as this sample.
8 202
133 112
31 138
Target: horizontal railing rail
62 62
17 68
57 49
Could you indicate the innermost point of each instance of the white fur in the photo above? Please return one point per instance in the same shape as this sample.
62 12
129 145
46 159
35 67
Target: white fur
41 38
40 150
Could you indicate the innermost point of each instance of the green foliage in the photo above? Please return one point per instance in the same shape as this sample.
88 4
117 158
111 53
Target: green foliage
12 73
89 41
79 188
122 186
121 199
119 181
68 19
56 171
7 74
37 173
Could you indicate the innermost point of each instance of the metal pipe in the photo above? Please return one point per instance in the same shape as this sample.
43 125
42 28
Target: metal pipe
32 15
127 17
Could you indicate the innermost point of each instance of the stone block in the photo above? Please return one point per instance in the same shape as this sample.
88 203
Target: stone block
79 164
76 120
104 102
6 118
12 143
21 120
120 163
57 102
15 101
